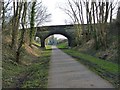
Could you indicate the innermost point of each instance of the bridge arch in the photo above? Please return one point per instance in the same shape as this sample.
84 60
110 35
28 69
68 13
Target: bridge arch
52 33
65 30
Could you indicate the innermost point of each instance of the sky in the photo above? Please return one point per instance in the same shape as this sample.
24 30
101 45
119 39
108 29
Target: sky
58 16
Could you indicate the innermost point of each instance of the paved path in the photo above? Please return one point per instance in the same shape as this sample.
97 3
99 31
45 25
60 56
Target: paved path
65 72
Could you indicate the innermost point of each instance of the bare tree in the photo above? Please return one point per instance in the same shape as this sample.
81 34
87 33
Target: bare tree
3 16
1 5
4 10
42 14
112 7
75 12
97 15
21 39
17 8
38 15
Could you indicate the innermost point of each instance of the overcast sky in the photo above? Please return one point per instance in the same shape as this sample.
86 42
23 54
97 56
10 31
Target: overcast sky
58 17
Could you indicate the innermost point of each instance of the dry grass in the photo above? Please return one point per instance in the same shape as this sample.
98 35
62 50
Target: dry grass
15 74
33 50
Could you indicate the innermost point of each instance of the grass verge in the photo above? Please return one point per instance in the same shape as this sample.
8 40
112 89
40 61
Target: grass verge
31 72
48 47
38 72
105 69
36 43
62 45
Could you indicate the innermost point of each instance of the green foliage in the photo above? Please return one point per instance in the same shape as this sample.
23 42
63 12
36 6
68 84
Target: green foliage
10 72
36 43
39 72
48 46
32 22
62 45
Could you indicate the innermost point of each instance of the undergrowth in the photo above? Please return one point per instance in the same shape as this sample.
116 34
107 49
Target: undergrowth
31 72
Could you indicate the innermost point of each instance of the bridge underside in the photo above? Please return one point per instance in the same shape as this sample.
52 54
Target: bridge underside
70 44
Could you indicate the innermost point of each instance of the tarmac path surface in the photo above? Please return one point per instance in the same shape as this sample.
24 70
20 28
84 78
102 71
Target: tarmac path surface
66 72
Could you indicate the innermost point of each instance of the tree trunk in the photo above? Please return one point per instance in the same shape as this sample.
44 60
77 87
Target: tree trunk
111 11
32 21
3 15
22 33
14 27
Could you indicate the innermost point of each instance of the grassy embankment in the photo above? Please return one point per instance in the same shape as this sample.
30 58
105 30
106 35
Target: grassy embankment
38 44
62 45
31 72
105 69
48 47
